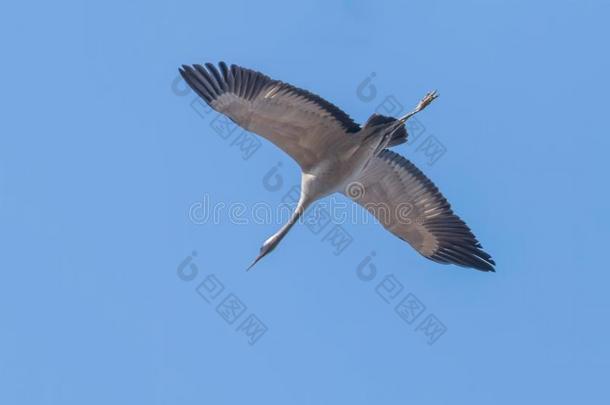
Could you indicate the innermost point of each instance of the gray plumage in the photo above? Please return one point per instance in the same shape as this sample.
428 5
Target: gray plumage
335 153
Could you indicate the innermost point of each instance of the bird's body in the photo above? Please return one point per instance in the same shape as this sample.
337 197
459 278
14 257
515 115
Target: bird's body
340 166
336 154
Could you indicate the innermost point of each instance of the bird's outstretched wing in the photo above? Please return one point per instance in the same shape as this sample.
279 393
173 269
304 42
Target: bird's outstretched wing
410 206
300 123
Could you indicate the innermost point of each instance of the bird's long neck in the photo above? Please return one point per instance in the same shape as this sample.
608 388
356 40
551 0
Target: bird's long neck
274 240
298 212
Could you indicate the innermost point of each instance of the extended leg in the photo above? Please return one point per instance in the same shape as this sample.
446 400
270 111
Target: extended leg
422 104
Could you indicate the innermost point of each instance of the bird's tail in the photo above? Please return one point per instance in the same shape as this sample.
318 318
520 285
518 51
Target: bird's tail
399 136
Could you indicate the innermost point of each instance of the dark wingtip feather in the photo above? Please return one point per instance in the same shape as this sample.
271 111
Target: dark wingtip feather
483 262
182 71
484 266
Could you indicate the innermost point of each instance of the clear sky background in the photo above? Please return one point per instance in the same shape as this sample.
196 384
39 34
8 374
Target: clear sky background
102 158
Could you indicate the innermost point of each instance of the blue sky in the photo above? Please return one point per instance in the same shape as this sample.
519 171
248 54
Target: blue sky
103 157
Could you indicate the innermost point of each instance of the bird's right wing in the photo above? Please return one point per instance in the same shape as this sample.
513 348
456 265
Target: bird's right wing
410 206
300 123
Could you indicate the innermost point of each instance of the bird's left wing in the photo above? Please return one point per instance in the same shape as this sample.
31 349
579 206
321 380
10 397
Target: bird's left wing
410 206
300 123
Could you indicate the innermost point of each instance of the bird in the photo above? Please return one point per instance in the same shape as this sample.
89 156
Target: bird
337 155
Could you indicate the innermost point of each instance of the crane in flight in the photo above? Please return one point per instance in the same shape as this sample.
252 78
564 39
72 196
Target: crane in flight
337 155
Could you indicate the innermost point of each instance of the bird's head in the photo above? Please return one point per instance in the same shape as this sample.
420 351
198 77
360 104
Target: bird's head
267 247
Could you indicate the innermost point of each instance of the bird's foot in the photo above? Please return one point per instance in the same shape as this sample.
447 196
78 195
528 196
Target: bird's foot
430 97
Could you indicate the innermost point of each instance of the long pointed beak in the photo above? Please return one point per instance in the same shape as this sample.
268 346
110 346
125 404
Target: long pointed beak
260 256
